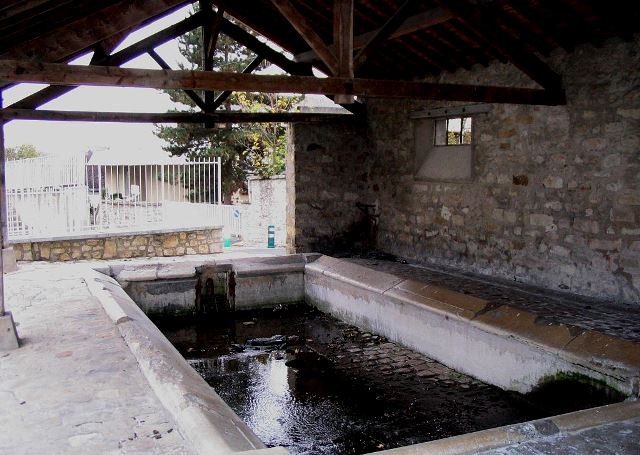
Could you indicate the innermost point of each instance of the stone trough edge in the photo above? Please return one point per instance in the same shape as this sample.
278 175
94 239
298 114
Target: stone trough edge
495 438
626 356
205 420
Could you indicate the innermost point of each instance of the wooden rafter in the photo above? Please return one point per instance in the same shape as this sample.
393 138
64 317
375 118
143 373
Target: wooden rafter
129 53
211 25
165 66
382 34
9 114
73 39
254 44
106 47
484 25
55 73
410 25
221 98
307 32
296 68
521 27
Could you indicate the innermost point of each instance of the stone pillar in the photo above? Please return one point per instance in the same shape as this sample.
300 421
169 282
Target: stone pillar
8 335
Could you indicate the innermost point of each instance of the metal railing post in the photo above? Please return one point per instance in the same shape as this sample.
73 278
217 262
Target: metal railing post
219 182
3 208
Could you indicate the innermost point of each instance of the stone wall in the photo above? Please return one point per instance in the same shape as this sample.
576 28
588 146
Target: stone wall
325 178
555 197
201 241
267 206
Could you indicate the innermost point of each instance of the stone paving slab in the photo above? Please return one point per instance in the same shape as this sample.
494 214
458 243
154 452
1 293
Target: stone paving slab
617 438
617 320
74 386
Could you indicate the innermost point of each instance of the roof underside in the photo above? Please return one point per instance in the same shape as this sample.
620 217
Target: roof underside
539 25
404 39
57 30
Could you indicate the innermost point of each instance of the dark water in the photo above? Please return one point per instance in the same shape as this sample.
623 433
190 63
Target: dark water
332 389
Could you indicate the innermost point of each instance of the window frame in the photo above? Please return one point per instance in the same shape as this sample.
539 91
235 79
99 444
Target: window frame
461 133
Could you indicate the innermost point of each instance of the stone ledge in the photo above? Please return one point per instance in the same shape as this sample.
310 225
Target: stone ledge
243 267
204 418
496 438
268 266
612 357
437 298
357 275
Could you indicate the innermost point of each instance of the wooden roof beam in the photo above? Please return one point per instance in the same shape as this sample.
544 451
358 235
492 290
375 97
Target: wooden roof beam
74 39
60 74
343 37
221 98
483 24
9 114
129 53
296 68
211 25
190 93
210 30
410 25
299 22
254 44
382 34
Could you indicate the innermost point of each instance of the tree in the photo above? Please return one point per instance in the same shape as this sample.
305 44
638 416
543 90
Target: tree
244 148
21 152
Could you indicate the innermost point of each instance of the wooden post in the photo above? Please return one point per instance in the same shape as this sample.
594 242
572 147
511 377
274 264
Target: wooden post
8 336
343 39
3 205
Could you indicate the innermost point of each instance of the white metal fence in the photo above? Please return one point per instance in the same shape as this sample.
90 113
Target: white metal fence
61 196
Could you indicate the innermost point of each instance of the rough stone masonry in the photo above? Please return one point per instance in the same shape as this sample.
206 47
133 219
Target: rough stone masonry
121 246
554 199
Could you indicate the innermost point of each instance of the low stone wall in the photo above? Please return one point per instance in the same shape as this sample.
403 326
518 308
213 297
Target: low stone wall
126 245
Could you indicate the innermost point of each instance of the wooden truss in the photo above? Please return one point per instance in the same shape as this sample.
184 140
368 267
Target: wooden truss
341 60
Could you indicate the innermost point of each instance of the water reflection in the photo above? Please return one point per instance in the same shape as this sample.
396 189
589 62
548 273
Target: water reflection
308 412
337 404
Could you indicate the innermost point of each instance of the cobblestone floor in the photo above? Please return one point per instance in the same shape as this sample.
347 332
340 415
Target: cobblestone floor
74 386
611 318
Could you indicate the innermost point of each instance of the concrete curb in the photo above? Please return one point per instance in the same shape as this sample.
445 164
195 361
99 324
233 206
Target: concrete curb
495 438
204 419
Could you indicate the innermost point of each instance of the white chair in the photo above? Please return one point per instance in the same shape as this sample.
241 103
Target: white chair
134 193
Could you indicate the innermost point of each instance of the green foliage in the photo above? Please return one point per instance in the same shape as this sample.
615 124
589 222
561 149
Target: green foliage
244 148
22 152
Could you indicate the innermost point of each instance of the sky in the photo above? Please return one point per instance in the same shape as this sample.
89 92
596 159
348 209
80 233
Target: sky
62 137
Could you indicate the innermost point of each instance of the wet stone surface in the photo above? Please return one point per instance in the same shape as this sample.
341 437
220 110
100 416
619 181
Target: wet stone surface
306 381
615 319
